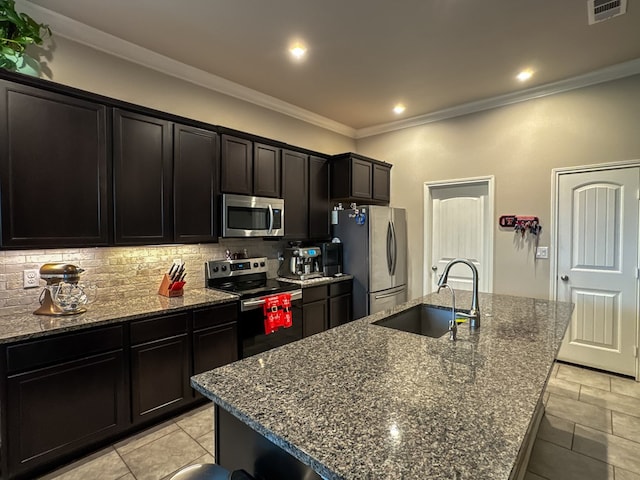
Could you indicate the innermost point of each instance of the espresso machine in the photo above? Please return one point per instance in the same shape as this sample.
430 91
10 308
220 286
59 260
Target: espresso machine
301 263
62 295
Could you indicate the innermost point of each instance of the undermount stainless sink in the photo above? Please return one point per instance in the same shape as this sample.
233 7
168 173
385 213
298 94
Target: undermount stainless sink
429 320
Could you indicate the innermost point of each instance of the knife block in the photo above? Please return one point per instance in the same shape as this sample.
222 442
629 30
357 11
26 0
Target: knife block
164 288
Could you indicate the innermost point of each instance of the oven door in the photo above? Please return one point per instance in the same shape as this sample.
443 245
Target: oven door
251 327
245 216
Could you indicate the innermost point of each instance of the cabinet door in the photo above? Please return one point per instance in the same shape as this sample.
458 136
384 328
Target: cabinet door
361 178
295 190
56 410
159 377
319 227
340 310
236 166
53 169
381 183
266 171
195 180
214 347
314 318
142 179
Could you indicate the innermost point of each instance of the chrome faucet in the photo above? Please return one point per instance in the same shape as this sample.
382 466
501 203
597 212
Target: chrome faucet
453 325
474 313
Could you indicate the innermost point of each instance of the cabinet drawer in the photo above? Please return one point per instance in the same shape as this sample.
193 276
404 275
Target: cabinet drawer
210 317
67 346
158 327
340 288
313 294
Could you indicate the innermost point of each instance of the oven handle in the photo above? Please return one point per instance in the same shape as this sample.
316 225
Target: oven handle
246 305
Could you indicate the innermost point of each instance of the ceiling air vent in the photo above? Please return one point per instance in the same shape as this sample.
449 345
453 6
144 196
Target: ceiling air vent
601 10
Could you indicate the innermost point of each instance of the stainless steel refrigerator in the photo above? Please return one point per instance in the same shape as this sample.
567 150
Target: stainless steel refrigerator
375 253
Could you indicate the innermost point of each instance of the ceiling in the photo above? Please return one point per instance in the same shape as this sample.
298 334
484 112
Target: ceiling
364 56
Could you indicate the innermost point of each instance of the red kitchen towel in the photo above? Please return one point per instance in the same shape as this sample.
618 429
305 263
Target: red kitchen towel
271 310
285 306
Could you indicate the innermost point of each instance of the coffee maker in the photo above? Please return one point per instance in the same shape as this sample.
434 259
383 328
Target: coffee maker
301 263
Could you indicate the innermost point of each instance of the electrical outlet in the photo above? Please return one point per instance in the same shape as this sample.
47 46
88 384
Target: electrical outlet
31 278
542 252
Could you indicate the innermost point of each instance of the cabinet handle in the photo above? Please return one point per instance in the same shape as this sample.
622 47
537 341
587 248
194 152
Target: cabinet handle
564 278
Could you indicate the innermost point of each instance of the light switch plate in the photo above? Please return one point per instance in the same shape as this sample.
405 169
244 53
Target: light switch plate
542 252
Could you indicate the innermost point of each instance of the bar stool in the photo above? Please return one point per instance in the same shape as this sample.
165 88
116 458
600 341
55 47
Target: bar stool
209 471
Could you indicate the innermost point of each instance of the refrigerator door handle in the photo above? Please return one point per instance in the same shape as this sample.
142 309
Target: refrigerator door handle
389 252
390 294
394 257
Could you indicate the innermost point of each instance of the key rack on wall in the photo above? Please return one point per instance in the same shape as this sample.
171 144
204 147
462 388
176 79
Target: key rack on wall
521 223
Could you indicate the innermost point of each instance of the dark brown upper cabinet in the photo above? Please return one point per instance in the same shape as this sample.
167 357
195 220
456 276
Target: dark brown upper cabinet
319 208
53 169
381 182
195 184
355 178
266 171
142 170
236 166
295 188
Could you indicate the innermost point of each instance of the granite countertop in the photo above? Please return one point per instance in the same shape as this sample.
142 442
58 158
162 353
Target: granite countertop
362 401
21 326
312 282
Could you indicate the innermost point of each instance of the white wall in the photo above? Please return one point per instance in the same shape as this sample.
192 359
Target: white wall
520 144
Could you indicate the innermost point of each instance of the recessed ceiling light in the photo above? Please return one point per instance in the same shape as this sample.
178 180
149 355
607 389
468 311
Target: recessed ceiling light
298 51
399 108
525 75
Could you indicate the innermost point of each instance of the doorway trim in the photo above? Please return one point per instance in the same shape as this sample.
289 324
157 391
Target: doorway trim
553 267
489 180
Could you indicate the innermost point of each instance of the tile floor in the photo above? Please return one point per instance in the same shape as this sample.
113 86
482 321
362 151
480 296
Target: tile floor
590 431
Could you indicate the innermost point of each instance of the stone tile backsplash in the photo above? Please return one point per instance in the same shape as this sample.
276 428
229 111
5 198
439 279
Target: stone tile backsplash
121 272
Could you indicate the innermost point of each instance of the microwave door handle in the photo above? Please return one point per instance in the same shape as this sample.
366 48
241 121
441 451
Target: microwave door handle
270 219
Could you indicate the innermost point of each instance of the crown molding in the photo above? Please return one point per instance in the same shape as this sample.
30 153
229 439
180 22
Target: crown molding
104 42
607 74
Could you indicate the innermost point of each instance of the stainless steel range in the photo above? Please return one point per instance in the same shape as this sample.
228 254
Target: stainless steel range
247 278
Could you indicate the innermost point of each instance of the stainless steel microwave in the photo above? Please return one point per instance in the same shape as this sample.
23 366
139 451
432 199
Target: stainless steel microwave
246 216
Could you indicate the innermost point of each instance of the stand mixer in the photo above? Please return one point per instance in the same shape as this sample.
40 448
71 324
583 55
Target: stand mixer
62 295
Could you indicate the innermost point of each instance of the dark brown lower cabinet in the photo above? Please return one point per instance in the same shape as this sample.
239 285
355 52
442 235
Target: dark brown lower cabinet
159 377
340 310
56 410
314 317
215 338
326 306
65 395
159 365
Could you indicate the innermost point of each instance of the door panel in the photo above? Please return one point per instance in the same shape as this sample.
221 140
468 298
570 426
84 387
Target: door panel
460 224
380 301
399 219
379 220
597 262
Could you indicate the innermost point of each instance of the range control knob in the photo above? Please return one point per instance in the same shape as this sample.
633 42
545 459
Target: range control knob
215 269
262 264
224 268
255 265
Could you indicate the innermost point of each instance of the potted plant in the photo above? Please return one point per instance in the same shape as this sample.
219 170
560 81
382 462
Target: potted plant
17 31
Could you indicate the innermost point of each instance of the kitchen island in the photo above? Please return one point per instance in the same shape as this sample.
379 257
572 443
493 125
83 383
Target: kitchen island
363 401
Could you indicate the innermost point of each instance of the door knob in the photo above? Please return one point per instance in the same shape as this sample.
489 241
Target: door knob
564 278
434 268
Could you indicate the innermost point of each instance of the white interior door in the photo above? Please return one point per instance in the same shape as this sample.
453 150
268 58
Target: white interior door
459 225
597 266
